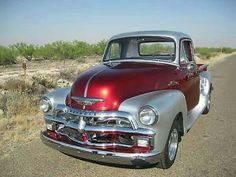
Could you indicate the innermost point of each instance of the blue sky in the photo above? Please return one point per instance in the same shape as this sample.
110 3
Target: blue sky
209 22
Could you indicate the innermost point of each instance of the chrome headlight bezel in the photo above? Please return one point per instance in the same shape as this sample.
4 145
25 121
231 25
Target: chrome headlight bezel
148 115
45 104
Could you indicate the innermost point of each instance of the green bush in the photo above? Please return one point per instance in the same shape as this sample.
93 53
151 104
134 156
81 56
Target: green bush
207 53
60 50
7 56
228 50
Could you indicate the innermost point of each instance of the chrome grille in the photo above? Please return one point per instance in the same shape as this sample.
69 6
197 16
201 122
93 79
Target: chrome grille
96 118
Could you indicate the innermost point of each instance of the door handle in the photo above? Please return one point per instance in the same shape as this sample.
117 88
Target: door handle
173 83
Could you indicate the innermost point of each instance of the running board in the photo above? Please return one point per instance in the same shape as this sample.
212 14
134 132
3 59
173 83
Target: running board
196 112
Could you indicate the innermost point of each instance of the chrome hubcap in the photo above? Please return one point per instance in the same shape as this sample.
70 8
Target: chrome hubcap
209 101
173 144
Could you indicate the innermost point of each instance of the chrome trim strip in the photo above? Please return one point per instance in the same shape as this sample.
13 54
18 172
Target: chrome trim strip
103 156
88 82
77 98
140 60
60 119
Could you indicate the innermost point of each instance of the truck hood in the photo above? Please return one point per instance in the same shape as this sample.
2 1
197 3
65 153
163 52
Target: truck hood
114 83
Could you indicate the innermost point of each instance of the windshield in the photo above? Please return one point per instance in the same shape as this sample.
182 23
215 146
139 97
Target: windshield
144 48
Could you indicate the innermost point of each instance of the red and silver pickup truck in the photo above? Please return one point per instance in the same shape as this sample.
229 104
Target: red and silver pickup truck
135 106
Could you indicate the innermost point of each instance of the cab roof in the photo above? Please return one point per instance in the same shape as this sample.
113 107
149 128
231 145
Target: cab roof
171 34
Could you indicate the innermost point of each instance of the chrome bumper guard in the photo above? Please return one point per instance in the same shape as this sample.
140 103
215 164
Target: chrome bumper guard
133 159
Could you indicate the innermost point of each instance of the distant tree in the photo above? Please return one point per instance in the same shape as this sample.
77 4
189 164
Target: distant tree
81 48
24 49
99 47
62 50
7 56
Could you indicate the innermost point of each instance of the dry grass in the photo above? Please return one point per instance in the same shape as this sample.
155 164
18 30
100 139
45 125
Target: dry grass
19 130
20 118
68 74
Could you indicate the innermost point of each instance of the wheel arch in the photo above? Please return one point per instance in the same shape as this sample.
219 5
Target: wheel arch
180 122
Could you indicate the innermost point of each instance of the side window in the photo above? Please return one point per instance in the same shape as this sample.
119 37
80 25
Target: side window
186 52
114 51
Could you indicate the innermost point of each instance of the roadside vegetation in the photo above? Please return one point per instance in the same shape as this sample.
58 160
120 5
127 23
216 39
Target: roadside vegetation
206 53
58 50
19 114
61 50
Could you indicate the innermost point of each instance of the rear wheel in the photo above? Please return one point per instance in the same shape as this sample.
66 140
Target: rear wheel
171 148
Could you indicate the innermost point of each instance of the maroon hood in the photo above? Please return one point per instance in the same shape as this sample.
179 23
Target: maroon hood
116 82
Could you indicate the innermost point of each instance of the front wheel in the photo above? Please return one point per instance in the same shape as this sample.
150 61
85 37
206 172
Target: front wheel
171 148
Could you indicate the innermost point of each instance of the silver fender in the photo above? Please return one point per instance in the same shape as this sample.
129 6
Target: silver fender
58 96
205 82
168 103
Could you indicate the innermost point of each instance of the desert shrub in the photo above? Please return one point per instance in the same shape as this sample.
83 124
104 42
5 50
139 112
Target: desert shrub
68 75
3 103
21 86
22 119
59 50
81 59
45 81
21 104
16 85
207 53
228 50
7 56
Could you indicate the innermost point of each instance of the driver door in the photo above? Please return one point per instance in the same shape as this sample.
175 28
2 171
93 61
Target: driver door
190 74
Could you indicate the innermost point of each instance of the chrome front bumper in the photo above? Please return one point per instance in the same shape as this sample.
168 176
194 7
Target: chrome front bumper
133 159
67 117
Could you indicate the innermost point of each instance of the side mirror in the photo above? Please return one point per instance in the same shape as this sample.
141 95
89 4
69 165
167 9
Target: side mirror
191 66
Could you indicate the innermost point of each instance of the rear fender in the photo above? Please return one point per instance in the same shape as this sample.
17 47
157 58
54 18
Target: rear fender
206 83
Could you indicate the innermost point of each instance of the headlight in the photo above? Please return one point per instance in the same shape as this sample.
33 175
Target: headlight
45 105
148 115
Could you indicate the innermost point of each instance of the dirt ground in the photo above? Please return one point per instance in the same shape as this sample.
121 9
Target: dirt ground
45 67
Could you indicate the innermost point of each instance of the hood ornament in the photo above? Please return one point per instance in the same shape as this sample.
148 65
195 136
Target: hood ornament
86 101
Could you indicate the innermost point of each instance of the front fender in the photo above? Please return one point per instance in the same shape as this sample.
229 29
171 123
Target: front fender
168 103
57 96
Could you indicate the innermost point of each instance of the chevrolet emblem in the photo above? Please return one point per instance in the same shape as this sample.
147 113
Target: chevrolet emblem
86 101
